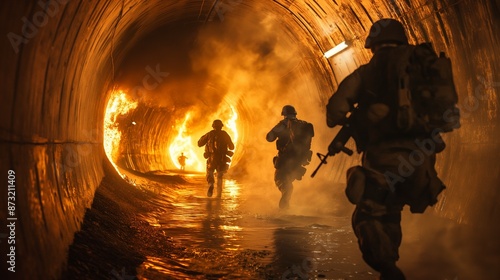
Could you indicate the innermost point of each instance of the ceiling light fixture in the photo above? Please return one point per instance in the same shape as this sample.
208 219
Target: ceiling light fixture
335 50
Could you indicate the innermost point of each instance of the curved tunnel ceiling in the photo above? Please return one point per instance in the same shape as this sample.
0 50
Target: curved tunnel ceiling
61 59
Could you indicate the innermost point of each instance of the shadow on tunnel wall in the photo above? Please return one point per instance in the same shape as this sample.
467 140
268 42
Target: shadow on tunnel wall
59 59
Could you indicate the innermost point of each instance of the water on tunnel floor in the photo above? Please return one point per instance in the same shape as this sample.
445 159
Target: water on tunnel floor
229 238
244 235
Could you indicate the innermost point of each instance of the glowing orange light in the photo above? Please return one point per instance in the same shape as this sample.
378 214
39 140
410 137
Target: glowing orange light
231 125
183 143
118 104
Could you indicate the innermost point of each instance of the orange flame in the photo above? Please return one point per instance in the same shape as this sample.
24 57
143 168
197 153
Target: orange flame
232 126
118 104
183 142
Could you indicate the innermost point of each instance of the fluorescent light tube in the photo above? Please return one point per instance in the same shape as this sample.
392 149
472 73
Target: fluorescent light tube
335 50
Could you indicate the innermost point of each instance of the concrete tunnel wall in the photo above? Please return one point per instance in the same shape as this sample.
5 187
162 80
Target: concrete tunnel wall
59 59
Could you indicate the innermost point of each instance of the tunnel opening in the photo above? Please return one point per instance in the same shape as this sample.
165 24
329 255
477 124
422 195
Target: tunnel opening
127 119
185 75
117 106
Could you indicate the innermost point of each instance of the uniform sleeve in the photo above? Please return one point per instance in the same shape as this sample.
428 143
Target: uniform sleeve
277 129
342 101
311 129
230 144
203 140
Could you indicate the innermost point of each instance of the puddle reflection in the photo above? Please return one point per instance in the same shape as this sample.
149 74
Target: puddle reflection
222 238
196 220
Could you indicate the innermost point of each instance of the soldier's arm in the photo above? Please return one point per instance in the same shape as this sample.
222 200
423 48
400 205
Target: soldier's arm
230 144
343 100
311 129
203 140
277 129
440 144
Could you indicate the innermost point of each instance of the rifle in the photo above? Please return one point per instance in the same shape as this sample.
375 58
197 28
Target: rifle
337 145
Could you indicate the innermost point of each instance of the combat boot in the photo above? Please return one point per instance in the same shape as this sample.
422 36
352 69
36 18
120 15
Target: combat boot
391 272
210 190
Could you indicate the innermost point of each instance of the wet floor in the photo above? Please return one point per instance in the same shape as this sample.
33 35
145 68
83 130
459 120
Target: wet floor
243 235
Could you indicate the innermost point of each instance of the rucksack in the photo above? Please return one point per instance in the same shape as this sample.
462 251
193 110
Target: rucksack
298 143
216 147
427 97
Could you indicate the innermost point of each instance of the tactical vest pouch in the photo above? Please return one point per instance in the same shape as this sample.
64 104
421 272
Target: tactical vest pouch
275 161
426 188
300 172
307 158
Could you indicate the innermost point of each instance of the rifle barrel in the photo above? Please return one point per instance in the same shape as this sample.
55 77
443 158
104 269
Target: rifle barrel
323 161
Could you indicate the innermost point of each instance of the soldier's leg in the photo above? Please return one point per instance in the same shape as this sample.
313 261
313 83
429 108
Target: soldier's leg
377 219
220 182
377 225
222 168
284 184
379 238
210 178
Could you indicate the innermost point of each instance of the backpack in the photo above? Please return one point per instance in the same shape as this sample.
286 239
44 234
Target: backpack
297 144
216 147
426 92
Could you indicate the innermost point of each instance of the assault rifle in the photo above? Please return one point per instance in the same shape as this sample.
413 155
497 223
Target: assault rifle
337 145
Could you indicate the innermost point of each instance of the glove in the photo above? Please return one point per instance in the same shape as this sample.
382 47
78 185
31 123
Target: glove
335 148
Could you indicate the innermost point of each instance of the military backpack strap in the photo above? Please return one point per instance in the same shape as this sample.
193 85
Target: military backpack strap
284 139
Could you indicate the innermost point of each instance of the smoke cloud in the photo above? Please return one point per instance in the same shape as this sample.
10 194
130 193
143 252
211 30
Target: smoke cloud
261 69
253 62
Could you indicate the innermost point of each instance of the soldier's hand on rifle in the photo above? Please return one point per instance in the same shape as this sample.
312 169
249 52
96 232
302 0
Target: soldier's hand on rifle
335 147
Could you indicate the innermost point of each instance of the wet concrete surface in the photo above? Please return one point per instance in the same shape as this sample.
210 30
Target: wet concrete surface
283 244
162 226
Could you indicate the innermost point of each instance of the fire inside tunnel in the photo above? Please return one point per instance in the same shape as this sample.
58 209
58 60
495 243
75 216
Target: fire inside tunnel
92 89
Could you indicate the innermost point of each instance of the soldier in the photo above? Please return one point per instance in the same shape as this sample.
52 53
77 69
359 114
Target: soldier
182 161
390 176
293 144
217 152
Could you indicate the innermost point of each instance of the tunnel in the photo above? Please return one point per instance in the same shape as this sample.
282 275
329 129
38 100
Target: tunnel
178 65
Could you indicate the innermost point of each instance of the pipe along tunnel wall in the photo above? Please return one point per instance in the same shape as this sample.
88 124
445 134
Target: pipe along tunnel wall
60 59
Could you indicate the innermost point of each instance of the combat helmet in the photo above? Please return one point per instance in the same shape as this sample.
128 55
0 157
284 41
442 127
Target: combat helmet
386 30
288 110
217 124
